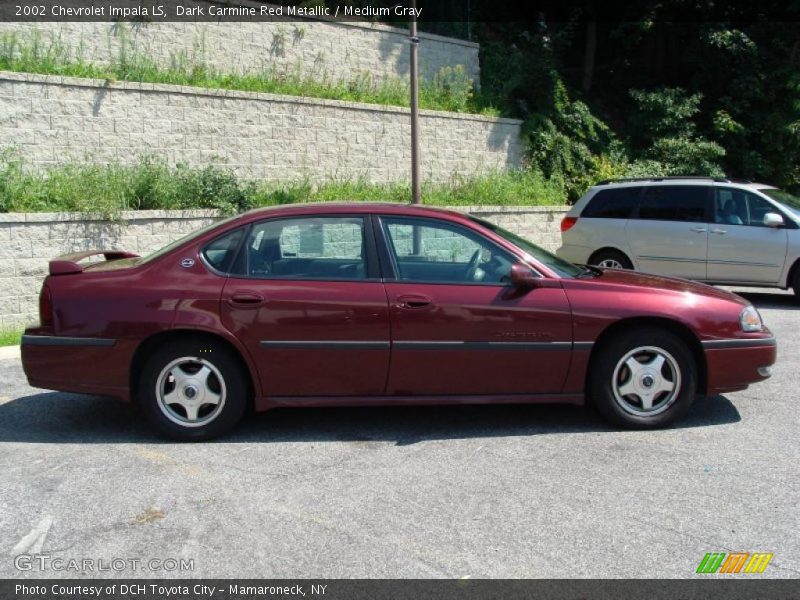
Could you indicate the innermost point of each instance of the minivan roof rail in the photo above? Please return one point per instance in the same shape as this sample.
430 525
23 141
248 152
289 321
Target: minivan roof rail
672 178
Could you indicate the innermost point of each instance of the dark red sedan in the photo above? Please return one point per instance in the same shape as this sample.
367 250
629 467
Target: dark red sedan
367 304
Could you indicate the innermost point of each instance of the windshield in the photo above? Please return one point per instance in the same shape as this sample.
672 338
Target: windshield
561 267
788 200
183 240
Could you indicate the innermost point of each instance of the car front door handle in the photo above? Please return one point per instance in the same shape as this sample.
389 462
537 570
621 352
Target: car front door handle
246 299
719 231
699 229
413 301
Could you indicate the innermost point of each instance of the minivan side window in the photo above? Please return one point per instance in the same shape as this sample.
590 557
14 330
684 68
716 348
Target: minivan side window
675 203
615 203
737 207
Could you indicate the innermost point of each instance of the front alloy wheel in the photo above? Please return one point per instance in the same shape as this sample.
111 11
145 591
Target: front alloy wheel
643 378
646 381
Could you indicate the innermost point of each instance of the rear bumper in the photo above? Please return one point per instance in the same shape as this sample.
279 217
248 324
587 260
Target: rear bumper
84 365
734 364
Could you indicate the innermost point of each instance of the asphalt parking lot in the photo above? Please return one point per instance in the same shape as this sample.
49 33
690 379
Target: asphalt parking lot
498 491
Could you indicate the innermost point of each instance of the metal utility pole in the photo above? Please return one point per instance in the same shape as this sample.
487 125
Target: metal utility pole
414 68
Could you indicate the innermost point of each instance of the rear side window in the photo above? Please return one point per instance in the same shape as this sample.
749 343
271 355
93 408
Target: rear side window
219 254
674 203
322 248
612 204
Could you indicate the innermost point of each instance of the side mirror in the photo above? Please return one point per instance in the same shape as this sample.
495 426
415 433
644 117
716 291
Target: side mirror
772 219
523 277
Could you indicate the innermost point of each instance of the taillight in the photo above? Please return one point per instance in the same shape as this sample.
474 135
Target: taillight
567 223
45 307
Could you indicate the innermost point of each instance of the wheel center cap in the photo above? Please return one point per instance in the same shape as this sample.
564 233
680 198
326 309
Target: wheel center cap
648 381
190 392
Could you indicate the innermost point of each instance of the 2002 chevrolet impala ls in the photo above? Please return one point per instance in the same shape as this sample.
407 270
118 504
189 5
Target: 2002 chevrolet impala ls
346 304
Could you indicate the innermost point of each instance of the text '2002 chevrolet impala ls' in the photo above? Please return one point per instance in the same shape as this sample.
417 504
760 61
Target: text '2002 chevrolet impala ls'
367 304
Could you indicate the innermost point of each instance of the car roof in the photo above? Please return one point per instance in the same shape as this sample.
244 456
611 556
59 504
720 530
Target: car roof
392 208
645 181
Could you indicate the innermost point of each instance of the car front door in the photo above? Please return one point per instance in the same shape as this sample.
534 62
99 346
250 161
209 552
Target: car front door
309 306
668 234
458 328
740 247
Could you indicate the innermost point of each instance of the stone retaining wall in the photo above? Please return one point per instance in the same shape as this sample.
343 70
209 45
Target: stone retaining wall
29 241
52 120
312 47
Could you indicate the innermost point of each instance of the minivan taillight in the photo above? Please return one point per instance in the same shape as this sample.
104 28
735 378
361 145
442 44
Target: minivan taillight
45 307
567 223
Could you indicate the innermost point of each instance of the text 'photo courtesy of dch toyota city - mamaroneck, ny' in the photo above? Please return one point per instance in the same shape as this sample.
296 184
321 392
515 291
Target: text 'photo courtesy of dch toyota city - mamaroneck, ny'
403 299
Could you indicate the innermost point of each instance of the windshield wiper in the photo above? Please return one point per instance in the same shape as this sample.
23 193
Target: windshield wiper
590 270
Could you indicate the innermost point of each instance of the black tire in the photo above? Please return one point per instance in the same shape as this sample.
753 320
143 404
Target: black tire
796 284
208 372
609 375
610 258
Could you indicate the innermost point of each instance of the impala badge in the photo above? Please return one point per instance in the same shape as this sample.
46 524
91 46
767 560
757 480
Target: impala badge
187 262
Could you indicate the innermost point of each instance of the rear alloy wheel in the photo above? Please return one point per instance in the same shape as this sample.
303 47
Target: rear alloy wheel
193 391
643 379
611 259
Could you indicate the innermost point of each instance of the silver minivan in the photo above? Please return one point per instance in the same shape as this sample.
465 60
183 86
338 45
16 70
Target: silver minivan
721 231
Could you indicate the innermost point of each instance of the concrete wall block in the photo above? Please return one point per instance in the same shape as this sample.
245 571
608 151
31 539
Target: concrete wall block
7 267
30 267
17 247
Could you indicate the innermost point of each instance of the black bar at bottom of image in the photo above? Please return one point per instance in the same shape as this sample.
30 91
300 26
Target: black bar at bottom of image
411 589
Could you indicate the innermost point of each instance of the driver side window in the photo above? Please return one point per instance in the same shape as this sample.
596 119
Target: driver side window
432 251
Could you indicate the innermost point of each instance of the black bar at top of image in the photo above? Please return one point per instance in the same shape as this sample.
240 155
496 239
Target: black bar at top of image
391 11
713 588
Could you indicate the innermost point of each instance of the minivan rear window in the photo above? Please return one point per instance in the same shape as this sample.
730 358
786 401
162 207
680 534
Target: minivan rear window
615 203
675 203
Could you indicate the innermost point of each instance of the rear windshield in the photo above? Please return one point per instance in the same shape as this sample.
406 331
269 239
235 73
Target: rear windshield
617 203
187 238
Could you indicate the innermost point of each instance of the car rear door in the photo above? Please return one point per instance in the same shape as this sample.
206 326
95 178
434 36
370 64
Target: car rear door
309 305
668 234
458 328
740 247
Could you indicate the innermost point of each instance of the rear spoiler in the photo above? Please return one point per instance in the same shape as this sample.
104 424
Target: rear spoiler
68 263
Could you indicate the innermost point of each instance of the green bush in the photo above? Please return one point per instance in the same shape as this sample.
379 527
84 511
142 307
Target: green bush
449 90
150 183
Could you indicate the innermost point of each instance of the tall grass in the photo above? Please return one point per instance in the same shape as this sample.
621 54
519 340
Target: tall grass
10 337
450 90
150 183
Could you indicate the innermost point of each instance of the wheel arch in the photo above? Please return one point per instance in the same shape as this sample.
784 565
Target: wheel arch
793 270
610 249
681 330
147 345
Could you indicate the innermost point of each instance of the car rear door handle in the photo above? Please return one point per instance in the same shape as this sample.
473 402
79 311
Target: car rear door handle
719 231
246 299
699 229
413 301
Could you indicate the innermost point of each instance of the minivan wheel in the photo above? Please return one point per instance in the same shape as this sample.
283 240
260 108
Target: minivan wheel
191 390
610 259
796 284
643 379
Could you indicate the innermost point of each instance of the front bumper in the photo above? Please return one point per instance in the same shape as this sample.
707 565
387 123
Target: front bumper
733 364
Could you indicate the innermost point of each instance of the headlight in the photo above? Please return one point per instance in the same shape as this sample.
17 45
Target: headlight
750 320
